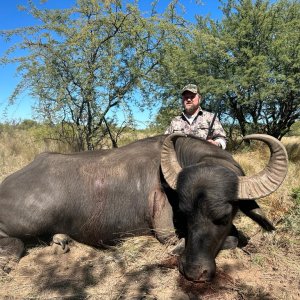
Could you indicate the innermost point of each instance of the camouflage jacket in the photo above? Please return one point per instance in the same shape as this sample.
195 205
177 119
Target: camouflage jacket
199 127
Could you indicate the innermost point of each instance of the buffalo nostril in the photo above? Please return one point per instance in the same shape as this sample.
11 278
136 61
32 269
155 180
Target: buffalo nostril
206 276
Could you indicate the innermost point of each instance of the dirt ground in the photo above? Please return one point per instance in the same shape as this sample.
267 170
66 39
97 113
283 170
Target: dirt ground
141 268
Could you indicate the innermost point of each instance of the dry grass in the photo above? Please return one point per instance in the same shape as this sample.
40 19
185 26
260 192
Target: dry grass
19 147
140 268
292 145
279 202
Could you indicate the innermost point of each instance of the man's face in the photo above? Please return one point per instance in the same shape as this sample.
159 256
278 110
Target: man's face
190 102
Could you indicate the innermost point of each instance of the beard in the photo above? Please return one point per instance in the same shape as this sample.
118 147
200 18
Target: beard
191 108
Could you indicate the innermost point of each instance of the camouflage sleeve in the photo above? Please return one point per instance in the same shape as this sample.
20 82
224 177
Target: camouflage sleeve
219 133
169 130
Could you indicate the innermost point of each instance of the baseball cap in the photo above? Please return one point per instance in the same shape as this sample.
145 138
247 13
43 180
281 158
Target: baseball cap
191 88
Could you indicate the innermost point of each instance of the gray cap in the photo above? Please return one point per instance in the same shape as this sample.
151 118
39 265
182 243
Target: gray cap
191 88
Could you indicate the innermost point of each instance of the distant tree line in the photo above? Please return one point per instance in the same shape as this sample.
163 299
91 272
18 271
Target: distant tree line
90 65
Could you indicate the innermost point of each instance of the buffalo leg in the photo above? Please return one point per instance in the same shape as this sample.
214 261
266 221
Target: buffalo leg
179 248
11 250
162 218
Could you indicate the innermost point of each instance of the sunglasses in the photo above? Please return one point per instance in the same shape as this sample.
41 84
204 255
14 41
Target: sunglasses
189 97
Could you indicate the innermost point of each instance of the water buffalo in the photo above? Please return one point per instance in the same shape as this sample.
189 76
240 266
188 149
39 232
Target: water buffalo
142 188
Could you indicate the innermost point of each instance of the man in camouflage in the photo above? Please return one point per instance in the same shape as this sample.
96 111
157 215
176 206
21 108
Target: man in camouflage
196 121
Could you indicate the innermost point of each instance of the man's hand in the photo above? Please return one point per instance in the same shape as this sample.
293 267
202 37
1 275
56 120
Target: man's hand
214 142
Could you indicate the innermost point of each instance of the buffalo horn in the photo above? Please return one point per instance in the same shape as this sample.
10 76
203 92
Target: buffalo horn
250 187
270 178
169 163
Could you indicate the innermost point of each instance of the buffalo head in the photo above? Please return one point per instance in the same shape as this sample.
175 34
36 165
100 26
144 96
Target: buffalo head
210 185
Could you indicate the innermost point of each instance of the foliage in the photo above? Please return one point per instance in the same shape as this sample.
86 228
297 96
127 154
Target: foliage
27 124
249 59
92 65
264 66
296 196
295 129
86 64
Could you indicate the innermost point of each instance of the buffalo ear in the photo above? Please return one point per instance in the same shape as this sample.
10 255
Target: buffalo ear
252 210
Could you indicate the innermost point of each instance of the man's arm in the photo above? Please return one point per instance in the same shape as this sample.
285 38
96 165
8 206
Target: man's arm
174 125
169 130
218 134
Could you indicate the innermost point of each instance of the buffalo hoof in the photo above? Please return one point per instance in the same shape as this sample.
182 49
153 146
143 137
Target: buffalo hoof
60 243
231 242
179 248
11 250
7 264
243 239
236 238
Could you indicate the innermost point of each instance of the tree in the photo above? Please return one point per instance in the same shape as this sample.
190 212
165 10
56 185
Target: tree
249 59
262 42
85 64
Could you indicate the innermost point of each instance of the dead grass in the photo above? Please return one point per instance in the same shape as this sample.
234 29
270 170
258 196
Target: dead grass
292 145
140 267
19 147
279 203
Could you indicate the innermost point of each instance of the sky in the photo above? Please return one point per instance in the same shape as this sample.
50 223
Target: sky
12 18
